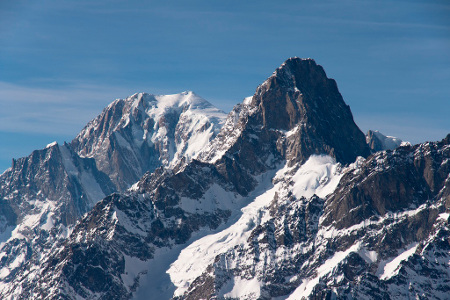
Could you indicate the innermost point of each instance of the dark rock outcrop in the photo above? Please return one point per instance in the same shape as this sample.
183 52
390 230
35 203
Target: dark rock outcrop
298 98
300 94
390 181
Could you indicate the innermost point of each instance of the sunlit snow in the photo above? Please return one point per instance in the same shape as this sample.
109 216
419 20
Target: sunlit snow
318 174
389 268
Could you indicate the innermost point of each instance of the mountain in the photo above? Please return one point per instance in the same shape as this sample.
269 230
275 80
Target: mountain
143 132
288 200
168 209
299 98
378 141
43 195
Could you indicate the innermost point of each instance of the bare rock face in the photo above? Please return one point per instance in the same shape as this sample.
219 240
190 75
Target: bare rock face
390 181
300 96
296 112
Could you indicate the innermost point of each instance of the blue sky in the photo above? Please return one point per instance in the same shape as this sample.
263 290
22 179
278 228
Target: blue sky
62 61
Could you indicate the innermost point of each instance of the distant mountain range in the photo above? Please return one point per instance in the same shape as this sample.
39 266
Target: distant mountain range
163 197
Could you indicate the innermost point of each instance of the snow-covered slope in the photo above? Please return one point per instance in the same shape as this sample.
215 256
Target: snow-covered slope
143 132
319 175
366 239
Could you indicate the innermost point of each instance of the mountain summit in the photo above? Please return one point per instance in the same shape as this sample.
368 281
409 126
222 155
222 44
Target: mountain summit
300 99
143 132
43 195
300 94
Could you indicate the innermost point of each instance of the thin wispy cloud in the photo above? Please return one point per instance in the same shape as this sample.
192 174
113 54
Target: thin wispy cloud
52 111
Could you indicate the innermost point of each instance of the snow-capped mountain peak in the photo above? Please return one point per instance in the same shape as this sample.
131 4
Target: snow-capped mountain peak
278 131
144 131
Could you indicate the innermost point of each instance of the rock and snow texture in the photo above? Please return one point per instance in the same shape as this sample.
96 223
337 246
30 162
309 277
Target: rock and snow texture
285 202
143 132
42 196
319 175
56 174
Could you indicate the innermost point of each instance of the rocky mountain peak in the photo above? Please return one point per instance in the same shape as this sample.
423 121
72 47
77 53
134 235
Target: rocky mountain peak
298 73
297 112
300 97
280 95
